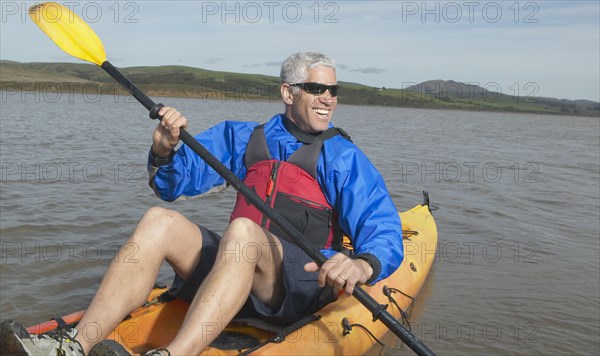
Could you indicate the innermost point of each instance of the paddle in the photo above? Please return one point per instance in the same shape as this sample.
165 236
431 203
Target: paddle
76 38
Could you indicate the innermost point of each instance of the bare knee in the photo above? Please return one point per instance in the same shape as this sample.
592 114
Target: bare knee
247 241
161 217
242 241
159 213
156 224
243 230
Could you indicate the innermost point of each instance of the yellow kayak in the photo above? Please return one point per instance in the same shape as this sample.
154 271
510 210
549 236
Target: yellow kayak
343 327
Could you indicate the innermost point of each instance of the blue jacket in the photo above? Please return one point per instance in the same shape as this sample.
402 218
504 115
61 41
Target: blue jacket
350 182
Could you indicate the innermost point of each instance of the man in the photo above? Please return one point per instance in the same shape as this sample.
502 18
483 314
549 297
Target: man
340 190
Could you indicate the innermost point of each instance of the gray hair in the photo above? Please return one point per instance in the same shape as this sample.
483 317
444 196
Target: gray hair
295 68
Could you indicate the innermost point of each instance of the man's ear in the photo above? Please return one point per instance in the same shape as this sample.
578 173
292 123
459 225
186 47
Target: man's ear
286 94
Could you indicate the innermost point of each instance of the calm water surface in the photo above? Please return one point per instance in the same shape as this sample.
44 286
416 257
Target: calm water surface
517 268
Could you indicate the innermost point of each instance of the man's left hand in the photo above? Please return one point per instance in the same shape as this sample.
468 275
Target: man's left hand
341 272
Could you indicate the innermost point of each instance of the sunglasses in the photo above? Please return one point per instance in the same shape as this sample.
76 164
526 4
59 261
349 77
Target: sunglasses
318 88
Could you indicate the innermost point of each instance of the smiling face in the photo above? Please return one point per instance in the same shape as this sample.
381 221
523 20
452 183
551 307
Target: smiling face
311 113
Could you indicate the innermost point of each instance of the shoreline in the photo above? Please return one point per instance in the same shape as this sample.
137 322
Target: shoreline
92 91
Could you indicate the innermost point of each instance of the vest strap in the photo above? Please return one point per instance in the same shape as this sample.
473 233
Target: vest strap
257 149
305 157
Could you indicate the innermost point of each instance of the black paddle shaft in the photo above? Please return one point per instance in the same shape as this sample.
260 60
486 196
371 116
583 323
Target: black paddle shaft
378 310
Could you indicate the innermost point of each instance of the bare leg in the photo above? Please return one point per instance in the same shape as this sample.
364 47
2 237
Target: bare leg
248 260
161 235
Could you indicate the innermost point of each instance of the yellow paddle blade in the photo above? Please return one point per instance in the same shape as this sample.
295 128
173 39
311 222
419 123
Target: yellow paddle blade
68 31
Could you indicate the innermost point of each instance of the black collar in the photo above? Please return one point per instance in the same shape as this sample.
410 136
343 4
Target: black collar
297 132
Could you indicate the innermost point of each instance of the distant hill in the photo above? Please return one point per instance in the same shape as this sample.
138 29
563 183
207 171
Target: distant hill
451 91
182 81
448 88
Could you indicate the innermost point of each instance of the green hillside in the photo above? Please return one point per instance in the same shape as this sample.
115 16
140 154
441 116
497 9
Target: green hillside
181 81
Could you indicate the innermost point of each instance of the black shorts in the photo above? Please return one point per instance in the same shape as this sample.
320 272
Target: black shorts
302 294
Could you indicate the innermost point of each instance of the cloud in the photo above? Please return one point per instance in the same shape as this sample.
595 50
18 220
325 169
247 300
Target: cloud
369 70
214 60
272 64
266 64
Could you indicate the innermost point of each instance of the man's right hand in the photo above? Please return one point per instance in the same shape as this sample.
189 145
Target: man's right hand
166 134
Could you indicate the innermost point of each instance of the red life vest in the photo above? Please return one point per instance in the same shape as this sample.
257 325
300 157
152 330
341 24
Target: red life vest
291 188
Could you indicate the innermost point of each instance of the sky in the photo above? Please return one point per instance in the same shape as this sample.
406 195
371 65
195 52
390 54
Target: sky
523 48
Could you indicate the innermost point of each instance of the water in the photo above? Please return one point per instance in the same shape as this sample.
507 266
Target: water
517 268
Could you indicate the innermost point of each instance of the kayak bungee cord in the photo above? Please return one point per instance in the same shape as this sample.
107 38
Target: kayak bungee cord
405 316
348 330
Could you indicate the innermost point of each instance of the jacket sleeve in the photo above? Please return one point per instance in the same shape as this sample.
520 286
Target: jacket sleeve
188 175
366 211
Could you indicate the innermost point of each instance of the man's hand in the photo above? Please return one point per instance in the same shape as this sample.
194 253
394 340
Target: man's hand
166 134
341 272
